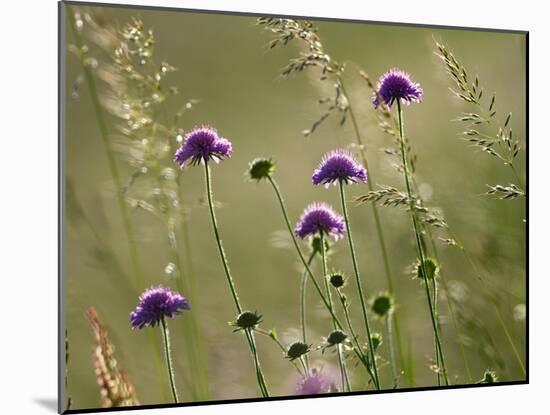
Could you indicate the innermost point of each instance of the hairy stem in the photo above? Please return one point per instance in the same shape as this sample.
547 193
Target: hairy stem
376 216
358 284
394 372
357 350
341 362
303 292
249 335
418 240
166 341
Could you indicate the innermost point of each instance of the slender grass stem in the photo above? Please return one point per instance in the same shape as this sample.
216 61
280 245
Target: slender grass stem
437 362
357 350
410 362
377 223
109 152
492 301
449 301
348 320
358 283
115 176
391 346
187 278
167 352
303 292
418 241
249 335
185 283
341 362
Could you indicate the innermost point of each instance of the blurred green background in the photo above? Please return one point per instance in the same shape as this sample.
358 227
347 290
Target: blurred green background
224 62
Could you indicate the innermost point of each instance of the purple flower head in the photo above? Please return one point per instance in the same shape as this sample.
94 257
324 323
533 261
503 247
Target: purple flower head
315 384
396 85
317 218
202 144
156 303
339 166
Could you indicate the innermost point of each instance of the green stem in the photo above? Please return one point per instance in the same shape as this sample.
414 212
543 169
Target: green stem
249 336
166 341
357 350
348 320
418 241
377 223
394 373
358 283
449 304
437 362
410 362
303 292
281 346
115 176
493 302
341 363
196 358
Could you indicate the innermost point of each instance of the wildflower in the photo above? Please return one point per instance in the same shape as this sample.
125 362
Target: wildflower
396 85
337 280
296 350
202 144
246 320
430 266
339 166
155 304
315 384
382 305
376 340
317 218
489 377
261 168
336 337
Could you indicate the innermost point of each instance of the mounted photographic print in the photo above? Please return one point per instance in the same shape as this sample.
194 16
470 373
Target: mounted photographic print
259 207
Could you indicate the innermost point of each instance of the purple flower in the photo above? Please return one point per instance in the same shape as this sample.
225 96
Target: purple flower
202 144
315 384
317 218
396 85
339 166
156 303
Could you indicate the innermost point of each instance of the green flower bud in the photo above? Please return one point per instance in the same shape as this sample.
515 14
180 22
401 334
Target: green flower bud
376 339
489 377
246 320
261 168
431 268
382 305
337 279
336 337
296 350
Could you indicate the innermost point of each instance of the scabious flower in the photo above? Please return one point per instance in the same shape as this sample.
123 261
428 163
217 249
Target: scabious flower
339 166
202 144
396 85
156 303
315 383
317 218
261 168
382 304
